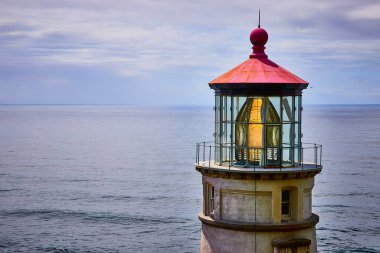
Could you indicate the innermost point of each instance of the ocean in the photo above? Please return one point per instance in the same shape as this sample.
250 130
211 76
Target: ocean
91 178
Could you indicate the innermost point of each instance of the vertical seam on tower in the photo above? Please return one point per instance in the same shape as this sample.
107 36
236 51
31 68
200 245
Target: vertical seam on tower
255 215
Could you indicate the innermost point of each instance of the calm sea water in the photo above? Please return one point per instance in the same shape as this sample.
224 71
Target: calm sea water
121 178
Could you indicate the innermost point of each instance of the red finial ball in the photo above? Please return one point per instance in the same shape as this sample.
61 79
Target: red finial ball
259 37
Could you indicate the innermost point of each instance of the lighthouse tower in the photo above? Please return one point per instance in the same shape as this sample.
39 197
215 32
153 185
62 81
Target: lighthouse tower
257 174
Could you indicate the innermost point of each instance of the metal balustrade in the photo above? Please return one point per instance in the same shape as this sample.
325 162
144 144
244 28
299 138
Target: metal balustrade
225 155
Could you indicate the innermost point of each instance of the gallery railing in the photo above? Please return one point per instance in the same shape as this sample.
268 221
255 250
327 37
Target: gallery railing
308 156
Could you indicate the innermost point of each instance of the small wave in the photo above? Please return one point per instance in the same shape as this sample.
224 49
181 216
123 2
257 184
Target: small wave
333 247
56 250
9 190
147 231
121 197
332 206
374 231
333 229
156 198
94 217
353 174
76 180
114 197
364 250
351 194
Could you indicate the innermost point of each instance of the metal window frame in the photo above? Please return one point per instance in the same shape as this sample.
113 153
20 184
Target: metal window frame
225 109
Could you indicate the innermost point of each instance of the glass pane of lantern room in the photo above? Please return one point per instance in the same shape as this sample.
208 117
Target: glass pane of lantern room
287 109
217 119
227 131
273 114
272 136
287 157
297 108
287 145
237 105
297 135
297 143
228 108
217 105
272 142
217 128
297 153
223 117
286 135
234 111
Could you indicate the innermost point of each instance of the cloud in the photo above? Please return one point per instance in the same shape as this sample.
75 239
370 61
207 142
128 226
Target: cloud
366 12
146 38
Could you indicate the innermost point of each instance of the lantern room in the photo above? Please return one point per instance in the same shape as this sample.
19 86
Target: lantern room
258 107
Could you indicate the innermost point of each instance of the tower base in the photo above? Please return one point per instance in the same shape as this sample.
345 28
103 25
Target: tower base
221 240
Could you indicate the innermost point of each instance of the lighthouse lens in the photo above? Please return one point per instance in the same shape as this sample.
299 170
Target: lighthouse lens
257 132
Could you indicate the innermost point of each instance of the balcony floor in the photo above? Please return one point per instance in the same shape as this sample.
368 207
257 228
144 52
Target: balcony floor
305 170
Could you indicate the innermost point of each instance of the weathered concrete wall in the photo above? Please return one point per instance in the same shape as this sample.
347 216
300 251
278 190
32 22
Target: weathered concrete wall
307 203
216 240
239 206
235 199
255 201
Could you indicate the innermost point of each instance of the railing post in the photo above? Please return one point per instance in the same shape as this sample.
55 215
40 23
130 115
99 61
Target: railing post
209 157
230 158
302 157
315 155
280 157
196 149
197 154
320 156
247 157
204 151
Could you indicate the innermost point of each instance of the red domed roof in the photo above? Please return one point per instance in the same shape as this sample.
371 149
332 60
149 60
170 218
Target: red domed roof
258 69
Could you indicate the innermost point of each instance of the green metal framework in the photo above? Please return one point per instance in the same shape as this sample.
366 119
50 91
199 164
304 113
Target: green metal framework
277 118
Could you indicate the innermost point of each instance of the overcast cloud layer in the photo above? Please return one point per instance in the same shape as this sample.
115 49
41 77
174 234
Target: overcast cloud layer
165 52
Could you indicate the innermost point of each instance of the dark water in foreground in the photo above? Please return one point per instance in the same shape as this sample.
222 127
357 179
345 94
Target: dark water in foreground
121 179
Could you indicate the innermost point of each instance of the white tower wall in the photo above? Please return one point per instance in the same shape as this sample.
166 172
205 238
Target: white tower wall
247 216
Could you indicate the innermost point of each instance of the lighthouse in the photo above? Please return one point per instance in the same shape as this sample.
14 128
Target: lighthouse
257 174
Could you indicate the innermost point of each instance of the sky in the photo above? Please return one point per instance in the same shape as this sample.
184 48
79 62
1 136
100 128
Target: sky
151 52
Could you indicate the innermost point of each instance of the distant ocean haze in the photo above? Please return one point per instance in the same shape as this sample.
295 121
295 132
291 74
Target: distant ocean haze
122 178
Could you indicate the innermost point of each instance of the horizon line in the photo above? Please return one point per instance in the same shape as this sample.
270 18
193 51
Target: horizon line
160 105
